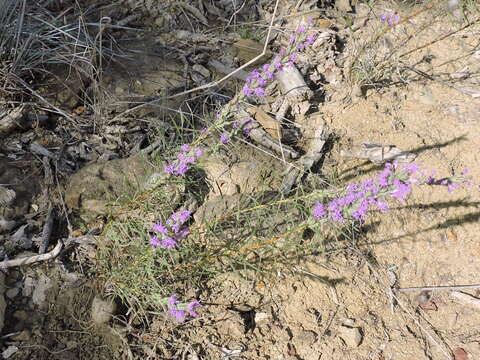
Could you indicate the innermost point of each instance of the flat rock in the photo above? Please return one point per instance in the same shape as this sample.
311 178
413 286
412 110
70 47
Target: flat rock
94 187
352 336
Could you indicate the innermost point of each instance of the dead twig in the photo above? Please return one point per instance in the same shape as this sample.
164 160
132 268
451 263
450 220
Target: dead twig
32 259
439 288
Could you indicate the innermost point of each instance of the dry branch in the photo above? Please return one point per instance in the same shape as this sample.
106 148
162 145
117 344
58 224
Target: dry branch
32 259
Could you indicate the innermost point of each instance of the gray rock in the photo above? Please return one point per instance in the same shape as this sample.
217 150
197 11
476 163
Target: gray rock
93 188
12 293
8 352
39 295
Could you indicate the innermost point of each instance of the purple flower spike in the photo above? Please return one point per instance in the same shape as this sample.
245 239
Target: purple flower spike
224 138
319 211
255 74
310 39
160 228
260 91
266 67
262 82
247 91
168 243
185 148
292 39
301 29
154 242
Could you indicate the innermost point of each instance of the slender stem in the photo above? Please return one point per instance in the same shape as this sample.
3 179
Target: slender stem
437 288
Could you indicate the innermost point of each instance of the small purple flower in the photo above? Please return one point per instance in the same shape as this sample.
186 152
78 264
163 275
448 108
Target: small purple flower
247 91
181 169
168 243
319 211
301 29
310 21
382 206
266 67
181 216
160 228
198 152
394 19
224 138
169 169
192 306
255 74
401 190
172 301
259 91
155 242
361 211
292 39
269 75
411 168
179 315
310 39
185 147
262 82
390 19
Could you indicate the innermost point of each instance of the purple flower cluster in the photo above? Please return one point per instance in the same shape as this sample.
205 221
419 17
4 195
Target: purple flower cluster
181 311
259 78
359 198
393 182
184 160
168 234
451 183
390 19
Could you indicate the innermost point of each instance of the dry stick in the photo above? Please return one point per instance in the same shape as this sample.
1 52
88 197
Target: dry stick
47 231
213 83
439 288
32 259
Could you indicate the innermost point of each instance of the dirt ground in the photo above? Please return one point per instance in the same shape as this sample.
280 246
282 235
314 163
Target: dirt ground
338 304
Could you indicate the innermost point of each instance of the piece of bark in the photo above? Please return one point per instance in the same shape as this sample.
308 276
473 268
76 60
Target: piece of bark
12 120
47 231
379 153
269 124
259 135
